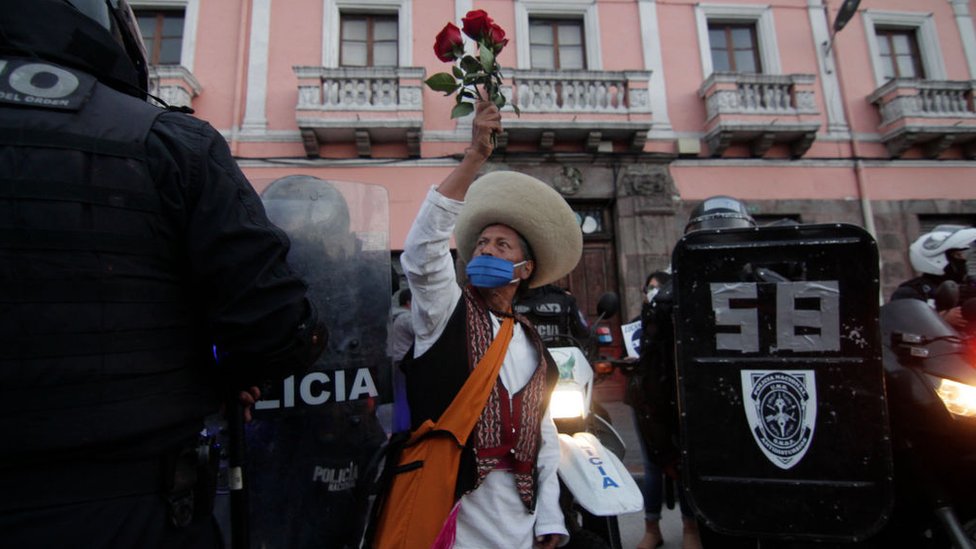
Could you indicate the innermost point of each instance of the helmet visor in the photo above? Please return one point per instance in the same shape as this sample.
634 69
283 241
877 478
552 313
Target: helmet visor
728 220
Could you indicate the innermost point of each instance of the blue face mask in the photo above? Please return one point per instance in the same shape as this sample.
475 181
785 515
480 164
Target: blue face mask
486 271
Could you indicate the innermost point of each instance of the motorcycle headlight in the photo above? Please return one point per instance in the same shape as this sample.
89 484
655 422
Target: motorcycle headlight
959 398
566 401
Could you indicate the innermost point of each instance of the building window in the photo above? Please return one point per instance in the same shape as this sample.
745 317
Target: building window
739 38
734 47
162 34
593 221
368 40
556 44
899 54
904 45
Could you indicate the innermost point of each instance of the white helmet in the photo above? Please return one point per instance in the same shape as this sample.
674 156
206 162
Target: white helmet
928 253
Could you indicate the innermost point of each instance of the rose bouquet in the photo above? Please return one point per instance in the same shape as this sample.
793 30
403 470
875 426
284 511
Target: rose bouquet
465 77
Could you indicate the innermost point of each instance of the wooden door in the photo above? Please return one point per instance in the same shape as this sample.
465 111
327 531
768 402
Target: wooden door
595 275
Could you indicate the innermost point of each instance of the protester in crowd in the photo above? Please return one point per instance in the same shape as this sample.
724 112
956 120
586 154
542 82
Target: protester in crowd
650 393
143 285
401 339
652 486
512 231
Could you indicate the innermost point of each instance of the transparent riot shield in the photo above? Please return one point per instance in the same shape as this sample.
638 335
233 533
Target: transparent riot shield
784 430
313 435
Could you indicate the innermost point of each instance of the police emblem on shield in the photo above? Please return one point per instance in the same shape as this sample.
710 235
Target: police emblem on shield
781 407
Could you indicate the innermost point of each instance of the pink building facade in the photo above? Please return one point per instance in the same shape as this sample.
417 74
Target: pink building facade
633 109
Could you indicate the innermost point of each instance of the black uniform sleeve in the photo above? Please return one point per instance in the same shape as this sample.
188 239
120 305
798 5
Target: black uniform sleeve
254 305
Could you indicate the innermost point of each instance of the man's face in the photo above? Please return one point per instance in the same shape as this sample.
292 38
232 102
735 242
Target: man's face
503 242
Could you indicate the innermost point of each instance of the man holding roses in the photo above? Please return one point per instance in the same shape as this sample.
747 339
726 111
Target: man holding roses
506 491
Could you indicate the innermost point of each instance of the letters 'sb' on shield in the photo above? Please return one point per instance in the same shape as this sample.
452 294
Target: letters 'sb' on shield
784 429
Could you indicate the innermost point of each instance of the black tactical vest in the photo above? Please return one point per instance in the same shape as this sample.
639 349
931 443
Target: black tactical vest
99 351
550 311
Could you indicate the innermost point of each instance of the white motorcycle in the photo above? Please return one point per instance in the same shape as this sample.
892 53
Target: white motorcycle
597 488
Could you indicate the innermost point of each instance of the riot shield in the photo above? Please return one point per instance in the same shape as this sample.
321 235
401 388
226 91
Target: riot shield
313 435
784 430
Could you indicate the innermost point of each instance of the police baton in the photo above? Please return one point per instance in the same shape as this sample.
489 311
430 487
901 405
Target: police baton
239 508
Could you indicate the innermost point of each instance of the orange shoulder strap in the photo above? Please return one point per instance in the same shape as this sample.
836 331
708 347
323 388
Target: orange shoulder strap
463 412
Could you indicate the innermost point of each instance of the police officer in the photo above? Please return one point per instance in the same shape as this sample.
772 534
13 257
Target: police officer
656 408
940 255
553 311
658 416
140 284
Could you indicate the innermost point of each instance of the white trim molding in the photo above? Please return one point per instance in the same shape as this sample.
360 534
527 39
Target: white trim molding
829 84
255 111
925 33
461 8
331 32
761 15
964 20
191 15
586 9
654 62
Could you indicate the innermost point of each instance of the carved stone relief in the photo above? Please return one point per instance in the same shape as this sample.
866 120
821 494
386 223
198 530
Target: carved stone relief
569 181
650 181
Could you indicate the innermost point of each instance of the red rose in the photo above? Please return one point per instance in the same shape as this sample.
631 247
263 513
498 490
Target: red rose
448 43
497 36
477 24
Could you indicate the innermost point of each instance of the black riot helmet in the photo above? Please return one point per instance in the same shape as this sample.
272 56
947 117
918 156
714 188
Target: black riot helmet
117 18
98 36
719 212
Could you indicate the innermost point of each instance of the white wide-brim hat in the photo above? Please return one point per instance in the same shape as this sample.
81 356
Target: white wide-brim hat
534 210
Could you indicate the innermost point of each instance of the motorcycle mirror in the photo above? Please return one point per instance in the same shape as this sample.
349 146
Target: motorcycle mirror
946 296
608 305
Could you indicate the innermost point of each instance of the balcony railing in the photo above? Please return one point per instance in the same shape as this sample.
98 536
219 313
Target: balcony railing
365 105
567 105
759 110
581 91
174 84
932 114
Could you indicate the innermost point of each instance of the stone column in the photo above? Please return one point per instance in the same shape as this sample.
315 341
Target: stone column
647 228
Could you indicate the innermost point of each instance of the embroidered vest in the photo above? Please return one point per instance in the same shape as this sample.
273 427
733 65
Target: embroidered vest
435 377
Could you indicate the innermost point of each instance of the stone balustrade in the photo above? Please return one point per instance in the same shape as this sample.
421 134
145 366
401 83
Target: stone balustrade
746 93
760 111
361 105
932 115
174 84
548 91
359 89
902 98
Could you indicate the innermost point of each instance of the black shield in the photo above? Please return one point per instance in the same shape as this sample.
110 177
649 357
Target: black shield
313 435
784 429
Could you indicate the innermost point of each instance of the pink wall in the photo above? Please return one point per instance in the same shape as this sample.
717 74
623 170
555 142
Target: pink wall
217 61
802 181
407 186
296 39
682 65
619 19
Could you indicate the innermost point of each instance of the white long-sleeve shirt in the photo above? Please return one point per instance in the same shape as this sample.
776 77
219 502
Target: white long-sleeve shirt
493 515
